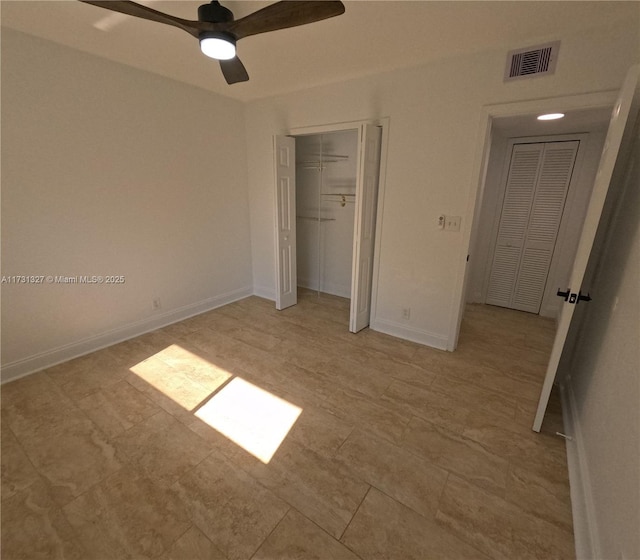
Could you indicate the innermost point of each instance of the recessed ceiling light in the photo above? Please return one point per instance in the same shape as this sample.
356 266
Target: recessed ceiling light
550 116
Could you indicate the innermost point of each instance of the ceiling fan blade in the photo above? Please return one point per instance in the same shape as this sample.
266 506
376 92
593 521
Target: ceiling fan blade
282 15
138 10
234 71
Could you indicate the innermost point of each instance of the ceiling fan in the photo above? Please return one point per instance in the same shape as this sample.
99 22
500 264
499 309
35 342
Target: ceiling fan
218 32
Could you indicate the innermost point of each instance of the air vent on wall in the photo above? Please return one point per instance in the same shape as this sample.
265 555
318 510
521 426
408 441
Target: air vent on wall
532 61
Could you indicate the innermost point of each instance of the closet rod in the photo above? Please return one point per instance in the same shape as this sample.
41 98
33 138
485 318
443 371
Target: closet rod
315 164
340 197
323 158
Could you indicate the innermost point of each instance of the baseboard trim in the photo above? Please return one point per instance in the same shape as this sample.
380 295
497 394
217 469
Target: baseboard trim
409 333
585 528
27 366
266 293
327 287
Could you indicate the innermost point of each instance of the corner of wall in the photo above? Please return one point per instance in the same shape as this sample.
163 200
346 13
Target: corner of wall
264 292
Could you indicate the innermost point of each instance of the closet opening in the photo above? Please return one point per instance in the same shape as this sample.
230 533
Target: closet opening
326 173
326 204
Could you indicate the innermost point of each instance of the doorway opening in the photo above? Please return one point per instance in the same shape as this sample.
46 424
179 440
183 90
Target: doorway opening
327 181
625 104
531 216
585 106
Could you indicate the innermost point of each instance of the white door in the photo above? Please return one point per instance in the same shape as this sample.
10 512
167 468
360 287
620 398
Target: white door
285 178
535 194
622 121
365 224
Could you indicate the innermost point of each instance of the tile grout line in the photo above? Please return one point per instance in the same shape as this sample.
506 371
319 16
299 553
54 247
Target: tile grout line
355 512
437 427
272 531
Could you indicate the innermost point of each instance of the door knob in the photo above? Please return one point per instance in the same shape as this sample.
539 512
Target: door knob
583 298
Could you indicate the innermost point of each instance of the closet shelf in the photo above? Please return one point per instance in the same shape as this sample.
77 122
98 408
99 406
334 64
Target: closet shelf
315 219
322 159
331 156
319 165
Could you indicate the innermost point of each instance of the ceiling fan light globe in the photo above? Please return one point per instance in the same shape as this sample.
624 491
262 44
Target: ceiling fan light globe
218 45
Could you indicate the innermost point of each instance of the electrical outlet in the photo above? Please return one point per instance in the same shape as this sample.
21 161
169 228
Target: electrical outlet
156 304
452 223
406 313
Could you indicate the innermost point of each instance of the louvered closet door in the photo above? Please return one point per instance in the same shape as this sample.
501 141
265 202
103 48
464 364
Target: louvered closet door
516 208
535 194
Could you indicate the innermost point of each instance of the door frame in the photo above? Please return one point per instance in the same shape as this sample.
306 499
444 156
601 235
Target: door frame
583 138
599 100
384 124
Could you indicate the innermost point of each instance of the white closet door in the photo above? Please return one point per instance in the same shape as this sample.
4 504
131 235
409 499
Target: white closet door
365 225
285 176
516 208
546 212
535 196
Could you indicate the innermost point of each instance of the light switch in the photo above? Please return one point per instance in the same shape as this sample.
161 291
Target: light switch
452 223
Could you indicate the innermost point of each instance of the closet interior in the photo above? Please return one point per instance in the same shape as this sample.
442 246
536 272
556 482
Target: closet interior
326 174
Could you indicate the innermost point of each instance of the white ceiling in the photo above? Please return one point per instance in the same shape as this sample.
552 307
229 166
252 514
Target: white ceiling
371 37
579 120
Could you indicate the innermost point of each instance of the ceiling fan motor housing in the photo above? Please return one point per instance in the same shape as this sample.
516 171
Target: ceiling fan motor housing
214 13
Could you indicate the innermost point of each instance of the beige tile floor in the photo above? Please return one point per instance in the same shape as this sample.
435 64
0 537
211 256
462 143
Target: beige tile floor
394 450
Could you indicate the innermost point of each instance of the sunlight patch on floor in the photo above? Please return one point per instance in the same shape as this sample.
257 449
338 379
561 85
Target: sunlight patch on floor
184 377
251 417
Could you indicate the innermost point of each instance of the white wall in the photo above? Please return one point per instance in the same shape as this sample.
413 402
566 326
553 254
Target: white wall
110 170
434 115
604 387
